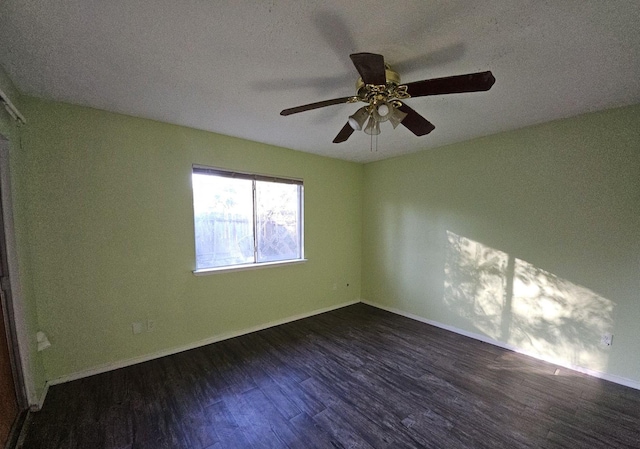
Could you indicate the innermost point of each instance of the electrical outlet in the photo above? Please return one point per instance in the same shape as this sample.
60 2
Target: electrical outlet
607 339
137 327
151 325
335 286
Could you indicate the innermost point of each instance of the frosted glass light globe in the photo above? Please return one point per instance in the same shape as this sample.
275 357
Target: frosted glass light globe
383 109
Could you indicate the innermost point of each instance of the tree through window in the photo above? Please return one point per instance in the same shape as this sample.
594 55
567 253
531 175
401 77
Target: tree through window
245 218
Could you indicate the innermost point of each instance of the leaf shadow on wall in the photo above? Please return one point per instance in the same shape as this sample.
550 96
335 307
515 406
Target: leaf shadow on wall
515 302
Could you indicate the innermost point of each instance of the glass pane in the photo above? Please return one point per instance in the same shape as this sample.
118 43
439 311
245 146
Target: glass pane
223 213
278 221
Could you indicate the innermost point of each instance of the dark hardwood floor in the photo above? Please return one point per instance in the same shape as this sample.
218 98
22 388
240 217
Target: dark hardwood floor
357 377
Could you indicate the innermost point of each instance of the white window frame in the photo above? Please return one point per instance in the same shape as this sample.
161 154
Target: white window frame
223 172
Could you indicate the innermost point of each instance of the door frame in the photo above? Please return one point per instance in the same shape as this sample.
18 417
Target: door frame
15 313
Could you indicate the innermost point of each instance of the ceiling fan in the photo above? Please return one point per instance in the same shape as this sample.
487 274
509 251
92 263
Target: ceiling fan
380 88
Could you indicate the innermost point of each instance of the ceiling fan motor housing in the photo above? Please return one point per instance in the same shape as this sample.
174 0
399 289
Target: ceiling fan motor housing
365 92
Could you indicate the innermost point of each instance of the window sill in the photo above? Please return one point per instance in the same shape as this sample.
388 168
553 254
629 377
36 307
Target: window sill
252 266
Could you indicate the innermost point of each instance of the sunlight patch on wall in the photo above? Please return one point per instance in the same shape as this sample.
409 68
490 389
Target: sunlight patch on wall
513 301
474 284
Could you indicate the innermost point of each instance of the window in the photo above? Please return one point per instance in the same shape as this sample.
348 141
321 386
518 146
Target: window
245 219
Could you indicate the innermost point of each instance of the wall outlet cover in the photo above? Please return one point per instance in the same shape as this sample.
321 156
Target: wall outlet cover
607 339
137 327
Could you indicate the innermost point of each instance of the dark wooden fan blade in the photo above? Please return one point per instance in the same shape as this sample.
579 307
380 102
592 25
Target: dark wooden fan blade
344 134
471 82
319 104
416 123
370 66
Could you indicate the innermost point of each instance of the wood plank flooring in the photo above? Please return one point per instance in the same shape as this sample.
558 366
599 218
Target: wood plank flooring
357 377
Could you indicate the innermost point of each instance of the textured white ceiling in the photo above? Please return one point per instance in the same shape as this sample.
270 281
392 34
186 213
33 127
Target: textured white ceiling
231 66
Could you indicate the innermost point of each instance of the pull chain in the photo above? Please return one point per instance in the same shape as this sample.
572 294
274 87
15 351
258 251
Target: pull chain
371 143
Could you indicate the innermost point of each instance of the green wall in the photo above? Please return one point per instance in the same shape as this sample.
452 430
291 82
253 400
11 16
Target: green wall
34 367
530 238
107 207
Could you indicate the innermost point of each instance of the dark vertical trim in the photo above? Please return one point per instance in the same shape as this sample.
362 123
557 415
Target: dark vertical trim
9 307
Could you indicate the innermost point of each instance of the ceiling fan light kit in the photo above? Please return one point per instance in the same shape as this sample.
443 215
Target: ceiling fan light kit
380 88
383 111
358 119
396 117
373 127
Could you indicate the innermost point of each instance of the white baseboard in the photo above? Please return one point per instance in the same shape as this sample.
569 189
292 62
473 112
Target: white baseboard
599 374
216 338
38 405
